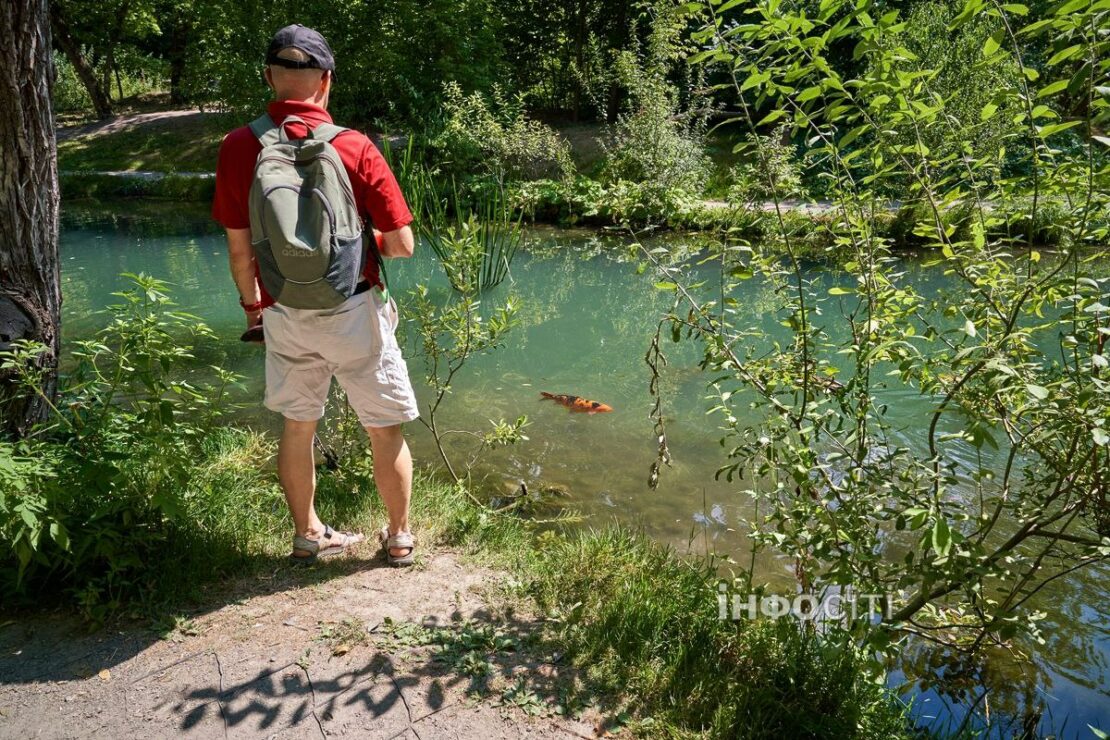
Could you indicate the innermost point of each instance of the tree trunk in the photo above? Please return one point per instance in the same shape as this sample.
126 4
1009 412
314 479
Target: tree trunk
581 35
177 54
30 297
69 46
618 39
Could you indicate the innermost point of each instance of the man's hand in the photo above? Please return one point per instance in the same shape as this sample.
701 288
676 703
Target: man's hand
253 318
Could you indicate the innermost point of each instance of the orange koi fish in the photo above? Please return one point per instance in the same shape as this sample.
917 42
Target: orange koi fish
574 403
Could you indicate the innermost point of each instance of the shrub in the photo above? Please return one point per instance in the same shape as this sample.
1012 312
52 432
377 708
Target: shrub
752 180
100 492
191 188
957 77
653 147
657 142
496 137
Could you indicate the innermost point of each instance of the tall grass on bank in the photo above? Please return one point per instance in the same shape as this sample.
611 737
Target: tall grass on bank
643 624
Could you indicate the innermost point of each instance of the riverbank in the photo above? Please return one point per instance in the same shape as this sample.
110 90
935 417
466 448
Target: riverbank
498 629
583 202
168 155
356 649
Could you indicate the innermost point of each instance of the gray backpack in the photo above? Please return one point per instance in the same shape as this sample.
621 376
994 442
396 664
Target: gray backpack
305 227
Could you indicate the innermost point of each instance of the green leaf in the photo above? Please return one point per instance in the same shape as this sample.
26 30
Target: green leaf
1064 55
969 328
988 112
970 8
916 517
992 44
1037 391
1055 128
1100 436
809 93
772 116
1069 8
942 537
754 80
839 291
1052 89
59 535
701 56
666 285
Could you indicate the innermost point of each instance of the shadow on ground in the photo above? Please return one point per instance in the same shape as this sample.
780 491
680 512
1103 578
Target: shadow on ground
347 648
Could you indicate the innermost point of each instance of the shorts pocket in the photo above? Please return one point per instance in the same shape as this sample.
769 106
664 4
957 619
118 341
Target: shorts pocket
346 336
392 376
385 319
395 316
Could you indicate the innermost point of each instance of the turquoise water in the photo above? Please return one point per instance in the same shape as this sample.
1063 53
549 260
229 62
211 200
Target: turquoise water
587 320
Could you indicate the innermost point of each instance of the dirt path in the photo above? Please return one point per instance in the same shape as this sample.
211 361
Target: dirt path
348 649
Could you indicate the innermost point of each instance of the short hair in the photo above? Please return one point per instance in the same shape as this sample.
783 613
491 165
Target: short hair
293 54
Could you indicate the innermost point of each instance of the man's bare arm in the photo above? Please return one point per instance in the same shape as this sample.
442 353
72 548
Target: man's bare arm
398 243
240 256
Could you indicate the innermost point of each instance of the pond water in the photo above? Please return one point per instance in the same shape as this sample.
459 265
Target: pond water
587 320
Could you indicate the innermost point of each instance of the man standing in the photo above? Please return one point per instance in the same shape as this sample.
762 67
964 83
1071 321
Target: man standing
336 324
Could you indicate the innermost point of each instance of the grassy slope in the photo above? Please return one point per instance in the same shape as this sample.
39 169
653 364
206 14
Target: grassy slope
187 144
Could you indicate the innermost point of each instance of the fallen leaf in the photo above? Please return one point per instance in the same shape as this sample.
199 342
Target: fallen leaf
341 650
105 674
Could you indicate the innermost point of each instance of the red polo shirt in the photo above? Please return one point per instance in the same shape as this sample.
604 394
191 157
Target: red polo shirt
377 195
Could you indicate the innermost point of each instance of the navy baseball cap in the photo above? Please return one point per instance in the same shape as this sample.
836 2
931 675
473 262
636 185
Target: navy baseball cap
307 40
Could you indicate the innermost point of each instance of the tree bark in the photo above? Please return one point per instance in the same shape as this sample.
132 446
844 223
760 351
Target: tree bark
618 39
102 105
30 297
177 54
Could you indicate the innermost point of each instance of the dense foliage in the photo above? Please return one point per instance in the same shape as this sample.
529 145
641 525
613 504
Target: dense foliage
102 491
393 57
963 518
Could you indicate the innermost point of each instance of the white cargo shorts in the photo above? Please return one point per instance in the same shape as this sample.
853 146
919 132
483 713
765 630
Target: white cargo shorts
354 343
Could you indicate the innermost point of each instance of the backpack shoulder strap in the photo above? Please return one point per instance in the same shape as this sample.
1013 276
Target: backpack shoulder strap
327 132
265 130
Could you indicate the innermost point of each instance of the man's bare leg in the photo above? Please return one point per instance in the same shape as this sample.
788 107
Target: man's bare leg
297 473
393 476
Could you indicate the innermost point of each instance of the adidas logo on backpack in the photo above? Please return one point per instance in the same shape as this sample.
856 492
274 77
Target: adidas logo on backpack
305 227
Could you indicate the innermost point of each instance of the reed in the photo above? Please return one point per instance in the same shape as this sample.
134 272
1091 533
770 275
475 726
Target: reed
475 243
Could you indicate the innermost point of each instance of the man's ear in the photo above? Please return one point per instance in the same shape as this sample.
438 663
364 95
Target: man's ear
269 76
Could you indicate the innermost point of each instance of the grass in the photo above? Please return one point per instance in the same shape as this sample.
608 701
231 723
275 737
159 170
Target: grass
238 516
95 186
643 625
639 622
182 144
